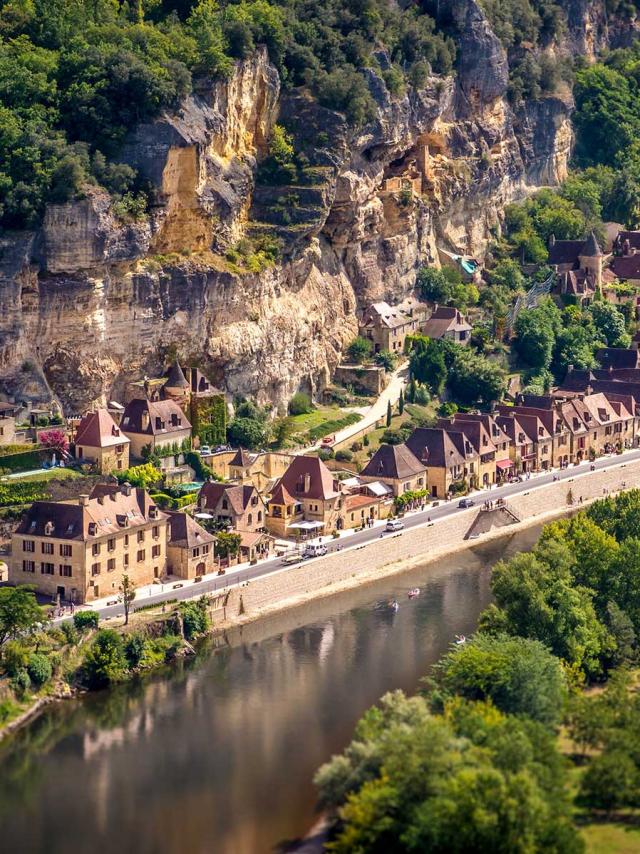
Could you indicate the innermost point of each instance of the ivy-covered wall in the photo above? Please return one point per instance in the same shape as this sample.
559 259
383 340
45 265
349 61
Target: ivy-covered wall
208 417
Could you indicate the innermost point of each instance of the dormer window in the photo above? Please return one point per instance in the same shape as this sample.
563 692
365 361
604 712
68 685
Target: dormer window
48 529
93 529
115 431
540 431
153 512
159 424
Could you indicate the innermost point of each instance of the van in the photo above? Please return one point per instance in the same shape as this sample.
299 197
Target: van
394 525
314 550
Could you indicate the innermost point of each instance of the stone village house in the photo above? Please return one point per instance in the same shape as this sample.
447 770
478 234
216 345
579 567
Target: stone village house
155 425
100 441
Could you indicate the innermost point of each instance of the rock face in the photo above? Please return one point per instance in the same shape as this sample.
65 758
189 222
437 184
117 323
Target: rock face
89 302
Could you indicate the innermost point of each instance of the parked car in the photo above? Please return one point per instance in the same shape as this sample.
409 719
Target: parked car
516 478
205 450
466 502
394 525
291 558
314 550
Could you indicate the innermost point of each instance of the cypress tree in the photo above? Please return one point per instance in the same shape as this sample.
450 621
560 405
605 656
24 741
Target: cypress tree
401 402
388 413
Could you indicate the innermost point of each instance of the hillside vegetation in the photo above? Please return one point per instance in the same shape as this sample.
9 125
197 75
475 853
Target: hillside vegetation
77 75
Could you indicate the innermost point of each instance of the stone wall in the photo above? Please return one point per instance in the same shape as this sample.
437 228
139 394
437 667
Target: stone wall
369 379
366 563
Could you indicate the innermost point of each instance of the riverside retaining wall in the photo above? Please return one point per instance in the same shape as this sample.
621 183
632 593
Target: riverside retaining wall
361 564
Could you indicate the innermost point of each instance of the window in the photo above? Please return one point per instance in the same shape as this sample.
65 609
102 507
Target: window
47 568
126 539
65 550
47 548
205 550
225 504
140 556
95 569
111 545
259 515
126 560
95 549
155 551
195 553
111 564
250 519
155 532
141 536
28 546
65 570
28 566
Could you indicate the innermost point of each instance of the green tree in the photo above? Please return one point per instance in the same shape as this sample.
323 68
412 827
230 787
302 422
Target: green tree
385 359
127 595
611 781
227 544
143 476
427 363
610 324
507 273
474 380
389 413
105 661
401 402
359 350
249 433
535 339
19 613
300 404
434 285
519 676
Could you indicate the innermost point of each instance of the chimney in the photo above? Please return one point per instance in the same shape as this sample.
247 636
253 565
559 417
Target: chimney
125 489
145 420
569 369
307 482
552 240
101 499
83 500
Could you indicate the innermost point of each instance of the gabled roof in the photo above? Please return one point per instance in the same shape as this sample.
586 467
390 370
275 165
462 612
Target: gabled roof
239 497
565 251
164 416
99 430
445 319
436 447
474 430
617 357
185 532
627 267
279 495
176 377
394 462
308 477
632 236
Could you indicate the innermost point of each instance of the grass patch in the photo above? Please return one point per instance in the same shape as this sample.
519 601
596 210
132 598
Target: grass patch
612 837
50 474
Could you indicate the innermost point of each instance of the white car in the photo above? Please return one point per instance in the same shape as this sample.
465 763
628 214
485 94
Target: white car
205 450
394 525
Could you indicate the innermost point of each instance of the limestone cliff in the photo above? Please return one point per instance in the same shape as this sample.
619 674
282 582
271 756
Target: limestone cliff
89 302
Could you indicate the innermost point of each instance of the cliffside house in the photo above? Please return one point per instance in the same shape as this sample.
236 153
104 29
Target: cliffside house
155 425
396 466
99 440
305 499
262 470
7 423
448 456
190 549
202 403
449 323
80 551
388 326
234 506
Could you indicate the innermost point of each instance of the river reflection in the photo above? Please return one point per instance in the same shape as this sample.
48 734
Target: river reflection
217 757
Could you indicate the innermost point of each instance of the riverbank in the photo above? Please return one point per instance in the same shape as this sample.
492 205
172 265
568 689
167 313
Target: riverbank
394 554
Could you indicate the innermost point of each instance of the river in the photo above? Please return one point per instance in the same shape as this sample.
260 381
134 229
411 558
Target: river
216 755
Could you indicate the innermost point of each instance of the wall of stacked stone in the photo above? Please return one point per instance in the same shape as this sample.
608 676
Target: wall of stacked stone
427 542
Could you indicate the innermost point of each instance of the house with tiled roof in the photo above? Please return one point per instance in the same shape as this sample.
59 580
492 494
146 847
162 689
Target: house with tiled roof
396 466
618 357
80 550
100 441
387 326
448 456
237 507
190 548
159 425
580 264
306 498
448 322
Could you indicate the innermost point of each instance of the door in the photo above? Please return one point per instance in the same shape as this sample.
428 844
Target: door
60 592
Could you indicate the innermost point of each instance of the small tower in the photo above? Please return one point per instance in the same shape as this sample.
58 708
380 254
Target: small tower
176 387
591 258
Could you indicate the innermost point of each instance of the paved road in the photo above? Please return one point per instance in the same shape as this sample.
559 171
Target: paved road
391 393
412 520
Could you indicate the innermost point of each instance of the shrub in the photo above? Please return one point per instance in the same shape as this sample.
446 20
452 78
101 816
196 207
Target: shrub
325 454
195 618
21 682
359 350
134 648
15 657
422 396
39 669
344 456
300 404
70 633
85 620
7 710
105 661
